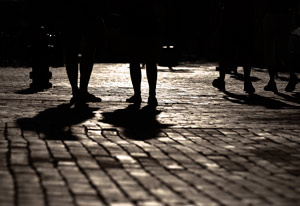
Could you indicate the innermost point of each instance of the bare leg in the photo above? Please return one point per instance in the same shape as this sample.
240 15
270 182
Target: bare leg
152 77
222 73
271 86
272 74
293 81
220 81
86 67
72 69
248 87
136 77
247 72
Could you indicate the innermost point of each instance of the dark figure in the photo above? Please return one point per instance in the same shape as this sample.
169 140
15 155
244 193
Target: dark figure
276 34
294 46
83 29
236 41
142 31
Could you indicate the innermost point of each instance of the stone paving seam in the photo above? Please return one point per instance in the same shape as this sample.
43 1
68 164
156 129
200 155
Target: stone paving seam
196 174
141 184
119 186
84 173
165 183
148 172
61 174
8 155
35 169
171 171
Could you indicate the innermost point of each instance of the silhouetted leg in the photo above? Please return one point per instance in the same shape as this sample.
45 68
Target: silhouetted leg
151 70
271 86
272 74
222 73
294 80
247 72
72 69
152 77
248 87
86 67
220 81
136 77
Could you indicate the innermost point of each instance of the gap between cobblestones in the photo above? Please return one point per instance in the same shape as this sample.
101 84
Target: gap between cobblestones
201 147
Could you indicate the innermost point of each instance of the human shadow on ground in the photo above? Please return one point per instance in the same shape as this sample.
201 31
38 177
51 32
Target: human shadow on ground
241 77
55 123
176 70
257 100
280 154
137 124
294 98
296 95
29 91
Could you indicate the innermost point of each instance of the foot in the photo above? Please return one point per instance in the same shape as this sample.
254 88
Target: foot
73 99
292 84
219 84
135 99
152 101
271 86
248 87
88 97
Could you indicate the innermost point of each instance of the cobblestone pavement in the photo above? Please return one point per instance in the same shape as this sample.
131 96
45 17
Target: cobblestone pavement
201 147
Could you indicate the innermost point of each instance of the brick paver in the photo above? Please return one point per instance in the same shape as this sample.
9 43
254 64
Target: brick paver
201 147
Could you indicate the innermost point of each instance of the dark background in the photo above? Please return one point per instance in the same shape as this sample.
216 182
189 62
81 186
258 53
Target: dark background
193 27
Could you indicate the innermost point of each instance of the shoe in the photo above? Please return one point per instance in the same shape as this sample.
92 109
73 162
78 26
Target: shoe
88 97
219 84
292 84
152 101
134 99
248 88
77 101
271 86
73 100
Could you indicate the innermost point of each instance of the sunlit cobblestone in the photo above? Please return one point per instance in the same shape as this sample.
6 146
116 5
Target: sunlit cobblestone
200 148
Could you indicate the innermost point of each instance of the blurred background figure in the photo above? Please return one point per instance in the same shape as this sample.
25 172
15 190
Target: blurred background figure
142 29
83 30
276 27
236 41
294 47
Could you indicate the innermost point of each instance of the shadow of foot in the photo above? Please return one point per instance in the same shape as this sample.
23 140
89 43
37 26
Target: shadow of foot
55 123
138 124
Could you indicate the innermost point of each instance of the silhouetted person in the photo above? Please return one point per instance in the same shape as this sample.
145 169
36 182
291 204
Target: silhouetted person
83 29
294 46
276 34
142 31
236 41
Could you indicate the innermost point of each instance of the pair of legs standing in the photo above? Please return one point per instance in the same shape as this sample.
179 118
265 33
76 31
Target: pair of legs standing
143 49
80 40
236 42
277 37
136 79
220 81
294 45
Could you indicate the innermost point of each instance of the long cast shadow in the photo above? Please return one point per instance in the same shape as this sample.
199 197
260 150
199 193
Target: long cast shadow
241 77
55 123
294 98
257 100
30 90
138 124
